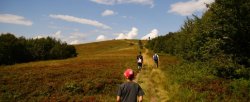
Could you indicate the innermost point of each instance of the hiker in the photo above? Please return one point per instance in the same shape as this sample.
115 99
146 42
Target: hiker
130 90
156 59
139 61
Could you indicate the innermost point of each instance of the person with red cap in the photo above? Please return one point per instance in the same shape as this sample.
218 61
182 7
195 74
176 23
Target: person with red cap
130 90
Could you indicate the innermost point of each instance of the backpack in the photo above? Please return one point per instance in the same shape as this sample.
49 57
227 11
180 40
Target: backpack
139 60
155 58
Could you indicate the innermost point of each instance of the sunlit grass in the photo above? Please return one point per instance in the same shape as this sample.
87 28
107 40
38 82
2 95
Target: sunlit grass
153 80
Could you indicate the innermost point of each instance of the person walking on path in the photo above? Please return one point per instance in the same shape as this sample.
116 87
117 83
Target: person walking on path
130 90
156 59
139 61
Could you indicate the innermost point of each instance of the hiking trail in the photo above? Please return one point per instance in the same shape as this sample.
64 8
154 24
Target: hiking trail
152 80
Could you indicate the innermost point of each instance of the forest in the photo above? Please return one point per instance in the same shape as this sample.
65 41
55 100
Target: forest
16 50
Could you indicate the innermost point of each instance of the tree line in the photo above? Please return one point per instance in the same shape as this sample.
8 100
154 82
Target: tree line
220 37
17 50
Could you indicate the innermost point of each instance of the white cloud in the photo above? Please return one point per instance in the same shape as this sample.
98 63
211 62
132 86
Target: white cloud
101 38
105 2
75 42
73 38
76 38
39 37
189 7
130 35
121 36
112 2
108 13
152 34
14 19
57 34
80 20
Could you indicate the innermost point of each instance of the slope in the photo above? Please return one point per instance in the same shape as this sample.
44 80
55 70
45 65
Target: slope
91 76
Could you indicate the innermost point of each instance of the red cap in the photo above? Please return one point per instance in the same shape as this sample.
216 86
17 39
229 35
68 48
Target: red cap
129 74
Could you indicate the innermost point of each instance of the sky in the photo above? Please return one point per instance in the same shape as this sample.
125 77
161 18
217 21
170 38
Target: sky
84 21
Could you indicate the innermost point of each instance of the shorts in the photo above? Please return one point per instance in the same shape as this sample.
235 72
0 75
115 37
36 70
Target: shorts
139 64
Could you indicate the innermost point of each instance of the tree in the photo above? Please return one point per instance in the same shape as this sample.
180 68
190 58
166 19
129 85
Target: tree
10 49
220 37
15 50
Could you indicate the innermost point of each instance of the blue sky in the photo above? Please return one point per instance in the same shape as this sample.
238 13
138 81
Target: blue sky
82 21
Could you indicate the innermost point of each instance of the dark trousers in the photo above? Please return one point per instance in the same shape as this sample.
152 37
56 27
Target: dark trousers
156 62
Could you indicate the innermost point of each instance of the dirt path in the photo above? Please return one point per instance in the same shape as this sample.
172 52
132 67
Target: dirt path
152 81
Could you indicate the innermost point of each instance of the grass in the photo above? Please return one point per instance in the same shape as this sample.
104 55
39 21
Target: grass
94 75
153 81
195 82
177 80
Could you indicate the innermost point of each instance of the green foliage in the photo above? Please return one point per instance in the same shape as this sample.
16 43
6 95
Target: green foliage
220 37
194 82
15 50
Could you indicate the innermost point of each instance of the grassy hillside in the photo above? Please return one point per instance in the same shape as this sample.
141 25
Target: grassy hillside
93 75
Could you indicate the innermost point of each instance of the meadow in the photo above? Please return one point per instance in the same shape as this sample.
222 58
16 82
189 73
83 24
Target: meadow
94 75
